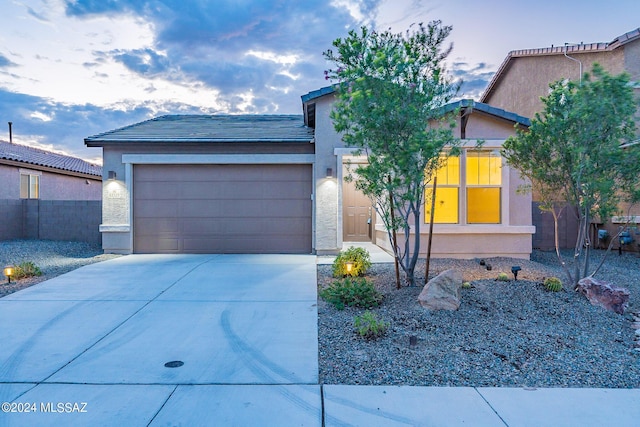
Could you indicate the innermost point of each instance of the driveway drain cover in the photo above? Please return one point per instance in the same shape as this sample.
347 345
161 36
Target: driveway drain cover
174 364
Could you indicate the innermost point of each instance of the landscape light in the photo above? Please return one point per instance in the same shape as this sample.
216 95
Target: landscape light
349 266
9 271
515 270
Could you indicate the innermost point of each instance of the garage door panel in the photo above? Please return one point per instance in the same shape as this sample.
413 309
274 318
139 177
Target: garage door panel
293 208
158 225
159 245
288 226
222 208
200 209
166 190
156 209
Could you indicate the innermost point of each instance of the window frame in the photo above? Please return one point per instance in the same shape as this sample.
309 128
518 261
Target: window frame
463 186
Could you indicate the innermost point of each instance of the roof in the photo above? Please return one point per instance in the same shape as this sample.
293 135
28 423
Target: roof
314 94
210 128
558 50
488 109
35 156
463 104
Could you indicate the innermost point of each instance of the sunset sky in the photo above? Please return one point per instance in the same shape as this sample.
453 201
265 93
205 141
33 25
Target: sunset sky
74 68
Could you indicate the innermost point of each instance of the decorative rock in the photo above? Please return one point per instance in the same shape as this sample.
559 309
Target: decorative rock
604 294
442 292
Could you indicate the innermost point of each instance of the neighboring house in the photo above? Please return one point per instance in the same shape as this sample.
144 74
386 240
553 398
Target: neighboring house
46 195
524 77
32 173
274 184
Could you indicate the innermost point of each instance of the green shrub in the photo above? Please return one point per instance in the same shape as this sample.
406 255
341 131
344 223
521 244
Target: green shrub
368 325
352 292
466 285
553 284
358 256
503 277
26 269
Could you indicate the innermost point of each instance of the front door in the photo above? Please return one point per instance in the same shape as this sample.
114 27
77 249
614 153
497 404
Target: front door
357 213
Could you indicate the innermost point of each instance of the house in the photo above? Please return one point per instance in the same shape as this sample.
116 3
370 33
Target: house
31 173
477 215
275 184
524 77
47 195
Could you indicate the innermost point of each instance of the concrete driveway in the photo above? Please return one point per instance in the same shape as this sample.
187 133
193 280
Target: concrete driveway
90 347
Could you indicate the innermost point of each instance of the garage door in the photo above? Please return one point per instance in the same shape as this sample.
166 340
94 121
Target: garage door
222 208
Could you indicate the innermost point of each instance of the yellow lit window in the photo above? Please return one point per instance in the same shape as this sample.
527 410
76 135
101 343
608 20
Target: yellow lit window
446 207
484 178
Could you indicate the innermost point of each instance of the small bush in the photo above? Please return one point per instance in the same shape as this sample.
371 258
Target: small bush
553 284
503 277
358 292
358 256
466 285
26 269
368 325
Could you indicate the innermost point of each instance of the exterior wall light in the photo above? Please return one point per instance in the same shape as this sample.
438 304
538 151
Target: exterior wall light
349 267
329 173
515 270
9 271
112 175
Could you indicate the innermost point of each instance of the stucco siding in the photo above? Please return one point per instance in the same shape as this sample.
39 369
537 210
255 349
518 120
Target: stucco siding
52 186
528 78
328 229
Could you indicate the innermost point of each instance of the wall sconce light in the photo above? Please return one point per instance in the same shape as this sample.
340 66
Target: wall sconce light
515 270
112 175
329 173
9 271
349 267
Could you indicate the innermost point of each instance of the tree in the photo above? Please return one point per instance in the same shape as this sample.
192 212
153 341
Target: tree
389 90
573 155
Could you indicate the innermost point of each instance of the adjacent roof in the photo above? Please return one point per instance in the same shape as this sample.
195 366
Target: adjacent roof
488 109
210 128
17 153
318 93
559 50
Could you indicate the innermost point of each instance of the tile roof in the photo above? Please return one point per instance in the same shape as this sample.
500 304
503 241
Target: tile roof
559 50
39 157
210 128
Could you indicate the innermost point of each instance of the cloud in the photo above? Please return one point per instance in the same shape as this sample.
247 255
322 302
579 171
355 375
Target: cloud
235 47
146 62
5 62
475 78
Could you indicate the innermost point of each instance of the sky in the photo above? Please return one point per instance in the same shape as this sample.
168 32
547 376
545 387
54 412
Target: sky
75 68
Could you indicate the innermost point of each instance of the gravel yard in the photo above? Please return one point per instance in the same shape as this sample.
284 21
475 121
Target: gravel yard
513 333
53 257
504 334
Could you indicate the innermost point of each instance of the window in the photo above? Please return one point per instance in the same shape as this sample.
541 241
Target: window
484 180
479 189
29 186
447 194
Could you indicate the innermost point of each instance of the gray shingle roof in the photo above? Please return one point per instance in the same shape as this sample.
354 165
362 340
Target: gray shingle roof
36 156
488 109
210 128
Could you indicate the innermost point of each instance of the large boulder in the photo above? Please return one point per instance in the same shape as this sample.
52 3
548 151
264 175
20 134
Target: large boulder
442 292
604 294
